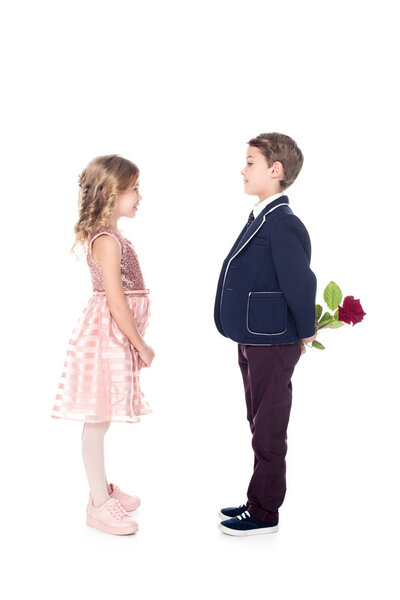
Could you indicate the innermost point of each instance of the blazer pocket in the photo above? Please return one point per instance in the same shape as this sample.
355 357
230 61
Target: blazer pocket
261 242
266 313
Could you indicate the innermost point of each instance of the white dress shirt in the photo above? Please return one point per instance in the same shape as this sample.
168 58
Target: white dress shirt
261 205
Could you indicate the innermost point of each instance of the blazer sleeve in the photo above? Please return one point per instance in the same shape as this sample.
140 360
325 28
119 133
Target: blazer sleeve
291 255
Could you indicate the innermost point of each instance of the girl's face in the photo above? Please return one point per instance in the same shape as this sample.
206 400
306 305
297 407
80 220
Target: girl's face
258 177
127 203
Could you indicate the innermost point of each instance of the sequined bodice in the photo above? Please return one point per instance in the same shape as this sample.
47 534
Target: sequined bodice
131 274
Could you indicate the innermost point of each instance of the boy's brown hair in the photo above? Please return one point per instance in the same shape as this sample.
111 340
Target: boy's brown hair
280 147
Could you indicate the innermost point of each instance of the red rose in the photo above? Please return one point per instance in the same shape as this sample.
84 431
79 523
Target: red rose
351 311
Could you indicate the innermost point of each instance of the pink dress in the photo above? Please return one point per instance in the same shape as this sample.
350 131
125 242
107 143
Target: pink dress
100 379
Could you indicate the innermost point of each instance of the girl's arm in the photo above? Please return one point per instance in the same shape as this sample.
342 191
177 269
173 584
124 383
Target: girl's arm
107 254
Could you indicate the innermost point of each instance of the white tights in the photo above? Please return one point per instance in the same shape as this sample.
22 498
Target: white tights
93 459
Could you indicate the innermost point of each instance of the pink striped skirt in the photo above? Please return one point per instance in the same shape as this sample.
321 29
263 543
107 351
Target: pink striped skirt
100 379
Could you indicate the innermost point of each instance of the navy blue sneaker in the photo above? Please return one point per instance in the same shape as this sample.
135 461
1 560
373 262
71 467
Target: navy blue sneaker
230 512
245 524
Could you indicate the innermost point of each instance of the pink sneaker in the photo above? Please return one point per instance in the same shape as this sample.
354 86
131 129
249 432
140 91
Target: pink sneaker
127 502
110 517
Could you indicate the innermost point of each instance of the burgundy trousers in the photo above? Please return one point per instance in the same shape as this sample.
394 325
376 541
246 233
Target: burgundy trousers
267 372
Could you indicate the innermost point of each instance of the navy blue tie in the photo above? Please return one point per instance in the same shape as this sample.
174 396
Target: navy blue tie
251 219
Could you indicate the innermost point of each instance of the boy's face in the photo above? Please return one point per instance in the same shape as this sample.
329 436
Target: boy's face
259 179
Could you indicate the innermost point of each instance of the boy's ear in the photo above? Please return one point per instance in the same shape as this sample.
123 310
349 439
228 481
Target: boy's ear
277 170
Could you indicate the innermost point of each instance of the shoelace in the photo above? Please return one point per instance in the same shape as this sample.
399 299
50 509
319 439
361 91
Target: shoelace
244 515
116 510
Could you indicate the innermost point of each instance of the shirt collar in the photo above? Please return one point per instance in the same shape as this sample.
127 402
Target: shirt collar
261 205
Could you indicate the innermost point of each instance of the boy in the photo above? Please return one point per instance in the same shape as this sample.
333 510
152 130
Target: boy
265 302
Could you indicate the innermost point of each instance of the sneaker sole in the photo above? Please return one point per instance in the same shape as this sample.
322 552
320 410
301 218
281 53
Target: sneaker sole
128 530
238 532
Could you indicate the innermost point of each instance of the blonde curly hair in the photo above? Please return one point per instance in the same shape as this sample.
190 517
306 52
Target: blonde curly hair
99 184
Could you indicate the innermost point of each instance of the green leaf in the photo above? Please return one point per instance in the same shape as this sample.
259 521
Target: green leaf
332 295
335 324
318 345
324 320
336 315
318 311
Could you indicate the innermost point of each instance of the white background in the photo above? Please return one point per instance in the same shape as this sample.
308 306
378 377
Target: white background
179 88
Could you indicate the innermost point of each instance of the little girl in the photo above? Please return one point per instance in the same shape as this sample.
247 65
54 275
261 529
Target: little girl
100 380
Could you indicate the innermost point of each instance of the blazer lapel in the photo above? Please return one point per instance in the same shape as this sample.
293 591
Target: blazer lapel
258 221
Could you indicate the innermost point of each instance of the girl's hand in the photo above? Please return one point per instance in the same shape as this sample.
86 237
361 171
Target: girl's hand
307 340
146 355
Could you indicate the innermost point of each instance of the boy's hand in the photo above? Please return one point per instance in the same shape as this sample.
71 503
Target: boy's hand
306 341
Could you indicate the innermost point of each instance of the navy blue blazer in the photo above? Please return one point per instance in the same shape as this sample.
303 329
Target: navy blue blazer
266 290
